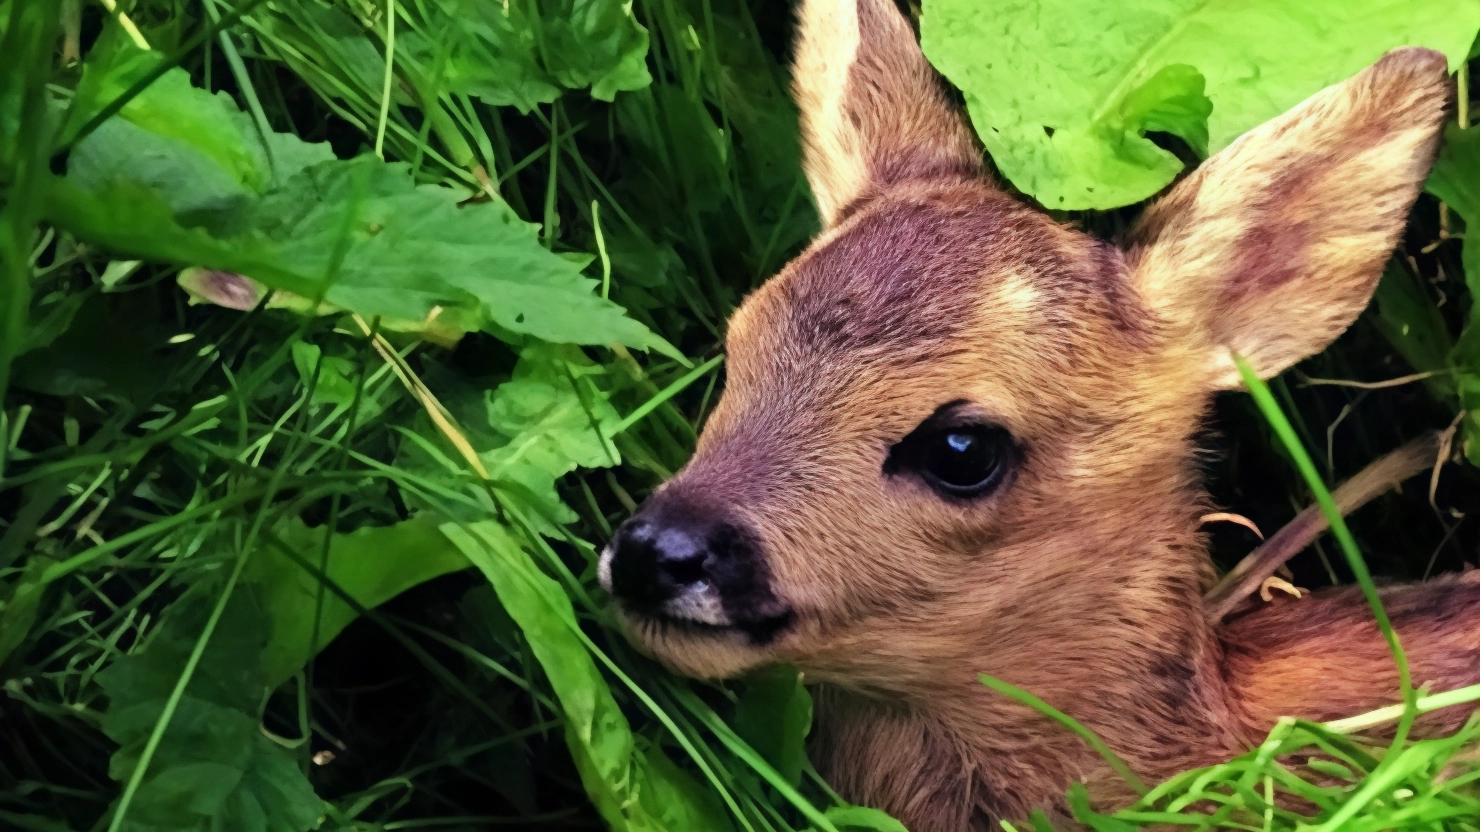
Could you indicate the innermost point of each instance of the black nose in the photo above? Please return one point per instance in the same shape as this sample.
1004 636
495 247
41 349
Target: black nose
653 563
694 560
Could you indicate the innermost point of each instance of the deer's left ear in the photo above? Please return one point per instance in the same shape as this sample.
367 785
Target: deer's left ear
1274 246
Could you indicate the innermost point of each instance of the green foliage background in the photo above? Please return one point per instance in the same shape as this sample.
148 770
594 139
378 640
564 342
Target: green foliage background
336 336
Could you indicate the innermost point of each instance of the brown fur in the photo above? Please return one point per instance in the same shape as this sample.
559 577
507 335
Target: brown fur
1079 579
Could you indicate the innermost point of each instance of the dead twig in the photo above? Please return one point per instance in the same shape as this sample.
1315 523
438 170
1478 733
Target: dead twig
1249 575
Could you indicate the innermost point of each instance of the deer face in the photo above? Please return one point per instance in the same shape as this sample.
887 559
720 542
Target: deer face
940 416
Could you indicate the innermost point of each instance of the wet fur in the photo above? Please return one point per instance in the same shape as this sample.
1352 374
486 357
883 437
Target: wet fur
1081 578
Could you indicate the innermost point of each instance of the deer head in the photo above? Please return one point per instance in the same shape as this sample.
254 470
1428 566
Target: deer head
956 435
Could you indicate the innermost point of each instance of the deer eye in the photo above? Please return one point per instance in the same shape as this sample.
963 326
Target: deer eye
959 460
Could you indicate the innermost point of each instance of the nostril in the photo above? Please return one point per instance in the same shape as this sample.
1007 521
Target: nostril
685 571
680 558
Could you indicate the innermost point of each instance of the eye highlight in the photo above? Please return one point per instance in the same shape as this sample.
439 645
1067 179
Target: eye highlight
955 454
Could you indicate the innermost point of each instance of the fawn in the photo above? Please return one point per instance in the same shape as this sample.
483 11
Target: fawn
957 438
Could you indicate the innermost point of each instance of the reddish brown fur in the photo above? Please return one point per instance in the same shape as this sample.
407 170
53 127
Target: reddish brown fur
1081 577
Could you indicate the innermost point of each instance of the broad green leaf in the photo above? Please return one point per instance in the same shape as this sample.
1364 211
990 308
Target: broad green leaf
553 418
412 249
493 54
133 219
1062 92
774 715
596 44
196 187
171 114
176 156
213 769
373 564
330 375
676 800
20 597
523 53
633 789
1455 179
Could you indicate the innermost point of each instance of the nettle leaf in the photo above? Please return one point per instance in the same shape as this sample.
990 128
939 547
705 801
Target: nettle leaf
213 768
181 175
412 248
198 190
553 418
176 123
493 52
632 788
522 54
597 44
1062 92
133 219
373 564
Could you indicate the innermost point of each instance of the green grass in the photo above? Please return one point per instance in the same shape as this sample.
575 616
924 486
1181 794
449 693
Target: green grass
233 543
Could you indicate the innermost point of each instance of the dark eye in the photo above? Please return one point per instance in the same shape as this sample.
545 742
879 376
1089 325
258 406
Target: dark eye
961 460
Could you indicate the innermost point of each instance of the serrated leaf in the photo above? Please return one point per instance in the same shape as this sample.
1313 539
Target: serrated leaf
493 52
524 54
174 110
413 248
131 218
1063 108
553 419
213 768
198 190
596 44
176 156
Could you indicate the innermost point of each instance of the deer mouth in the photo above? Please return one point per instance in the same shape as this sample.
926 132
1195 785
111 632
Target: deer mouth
700 611
759 631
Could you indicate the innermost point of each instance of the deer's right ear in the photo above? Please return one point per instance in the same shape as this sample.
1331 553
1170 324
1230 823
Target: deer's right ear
872 112
1273 247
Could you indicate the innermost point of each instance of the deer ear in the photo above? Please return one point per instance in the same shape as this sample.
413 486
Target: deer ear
872 112
1274 245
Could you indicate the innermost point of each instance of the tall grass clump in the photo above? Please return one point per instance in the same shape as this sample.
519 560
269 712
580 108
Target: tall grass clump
337 335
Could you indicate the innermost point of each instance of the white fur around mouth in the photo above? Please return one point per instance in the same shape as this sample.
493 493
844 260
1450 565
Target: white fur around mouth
604 569
699 603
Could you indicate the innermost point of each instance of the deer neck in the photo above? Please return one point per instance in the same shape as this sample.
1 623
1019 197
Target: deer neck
1128 653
